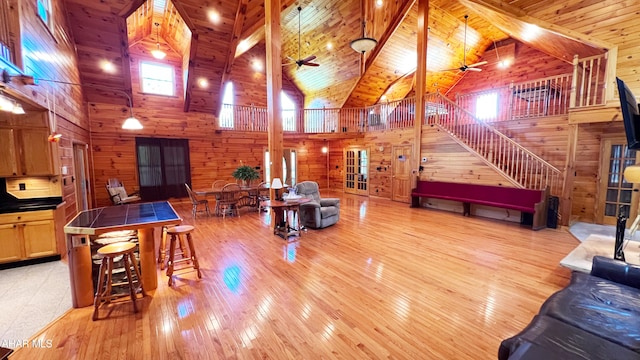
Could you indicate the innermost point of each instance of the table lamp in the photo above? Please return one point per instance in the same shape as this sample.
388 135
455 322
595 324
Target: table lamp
276 184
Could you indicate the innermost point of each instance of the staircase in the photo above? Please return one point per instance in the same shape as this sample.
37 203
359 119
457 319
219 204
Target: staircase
524 168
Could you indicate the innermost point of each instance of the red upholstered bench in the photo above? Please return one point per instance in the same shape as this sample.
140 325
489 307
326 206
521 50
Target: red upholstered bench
524 200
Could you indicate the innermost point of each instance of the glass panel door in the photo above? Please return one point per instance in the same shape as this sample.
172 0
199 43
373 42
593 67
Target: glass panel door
357 171
617 195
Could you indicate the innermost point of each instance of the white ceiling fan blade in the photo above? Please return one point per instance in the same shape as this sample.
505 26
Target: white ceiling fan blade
473 69
477 64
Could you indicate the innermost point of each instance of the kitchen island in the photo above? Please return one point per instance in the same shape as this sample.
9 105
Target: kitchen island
142 217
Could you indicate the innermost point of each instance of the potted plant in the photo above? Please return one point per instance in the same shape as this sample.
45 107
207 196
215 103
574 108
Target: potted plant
245 173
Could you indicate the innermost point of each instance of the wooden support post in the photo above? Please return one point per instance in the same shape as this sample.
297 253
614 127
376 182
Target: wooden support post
421 76
274 88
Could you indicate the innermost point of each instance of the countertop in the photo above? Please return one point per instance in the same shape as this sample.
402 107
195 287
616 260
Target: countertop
16 205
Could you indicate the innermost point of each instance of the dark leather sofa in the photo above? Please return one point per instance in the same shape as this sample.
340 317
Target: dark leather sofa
597 316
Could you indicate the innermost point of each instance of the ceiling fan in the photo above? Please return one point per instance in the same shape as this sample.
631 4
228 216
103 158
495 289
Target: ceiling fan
306 61
465 67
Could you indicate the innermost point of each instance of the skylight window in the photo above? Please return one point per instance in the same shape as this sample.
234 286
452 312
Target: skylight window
157 79
487 106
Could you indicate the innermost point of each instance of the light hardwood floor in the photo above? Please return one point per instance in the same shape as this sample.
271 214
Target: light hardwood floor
387 281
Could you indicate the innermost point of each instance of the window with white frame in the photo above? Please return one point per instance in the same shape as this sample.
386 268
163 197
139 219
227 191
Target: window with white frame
487 106
225 120
288 112
45 13
157 79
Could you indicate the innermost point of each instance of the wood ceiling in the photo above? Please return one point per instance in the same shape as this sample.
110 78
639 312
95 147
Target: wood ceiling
210 42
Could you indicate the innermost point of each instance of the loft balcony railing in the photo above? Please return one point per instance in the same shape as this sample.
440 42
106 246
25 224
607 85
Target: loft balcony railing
548 96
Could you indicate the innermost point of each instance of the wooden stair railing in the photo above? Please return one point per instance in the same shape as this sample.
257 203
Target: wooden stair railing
524 168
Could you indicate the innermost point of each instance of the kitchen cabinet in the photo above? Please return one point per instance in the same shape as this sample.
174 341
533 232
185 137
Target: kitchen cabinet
29 152
27 235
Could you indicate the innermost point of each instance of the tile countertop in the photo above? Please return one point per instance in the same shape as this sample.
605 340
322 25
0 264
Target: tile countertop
14 205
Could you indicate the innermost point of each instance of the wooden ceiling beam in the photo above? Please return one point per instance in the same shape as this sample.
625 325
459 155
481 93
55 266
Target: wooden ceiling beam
254 33
233 45
192 52
512 11
190 76
393 26
130 8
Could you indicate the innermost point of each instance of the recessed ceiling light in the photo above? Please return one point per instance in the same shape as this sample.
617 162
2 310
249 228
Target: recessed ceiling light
213 16
107 66
256 65
329 46
203 83
379 3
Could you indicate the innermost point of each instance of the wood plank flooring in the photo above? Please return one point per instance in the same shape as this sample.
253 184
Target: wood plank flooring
386 281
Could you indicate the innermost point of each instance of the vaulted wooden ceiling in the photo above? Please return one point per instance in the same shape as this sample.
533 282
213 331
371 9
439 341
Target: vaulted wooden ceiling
210 35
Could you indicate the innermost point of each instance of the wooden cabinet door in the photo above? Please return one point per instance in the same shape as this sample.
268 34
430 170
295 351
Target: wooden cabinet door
10 243
39 238
8 159
35 149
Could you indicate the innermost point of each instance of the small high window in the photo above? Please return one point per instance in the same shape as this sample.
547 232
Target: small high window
487 106
226 114
288 112
157 79
44 12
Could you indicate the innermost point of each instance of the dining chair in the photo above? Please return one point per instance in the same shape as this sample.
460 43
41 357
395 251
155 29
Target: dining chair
218 184
262 196
228 202
195 202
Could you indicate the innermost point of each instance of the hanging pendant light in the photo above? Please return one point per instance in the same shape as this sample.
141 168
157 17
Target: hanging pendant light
364 43
157 53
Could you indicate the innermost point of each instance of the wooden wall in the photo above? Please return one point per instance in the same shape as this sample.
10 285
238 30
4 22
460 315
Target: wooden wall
528 64
51 55
214 154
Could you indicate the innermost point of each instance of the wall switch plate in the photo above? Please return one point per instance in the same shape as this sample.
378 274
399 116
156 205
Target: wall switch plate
22 186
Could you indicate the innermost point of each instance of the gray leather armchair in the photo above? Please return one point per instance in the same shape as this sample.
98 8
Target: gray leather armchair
318 213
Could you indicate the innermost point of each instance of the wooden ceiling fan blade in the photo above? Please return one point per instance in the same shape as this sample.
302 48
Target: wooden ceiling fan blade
310 64
480 63
308 58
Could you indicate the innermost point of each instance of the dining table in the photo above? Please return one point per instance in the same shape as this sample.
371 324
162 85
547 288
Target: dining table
249 200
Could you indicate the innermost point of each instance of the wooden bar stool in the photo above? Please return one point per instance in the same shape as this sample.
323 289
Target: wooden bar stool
104 287
176 233
162 249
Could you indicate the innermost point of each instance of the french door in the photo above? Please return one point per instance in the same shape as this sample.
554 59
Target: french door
616 195
163 168
356 171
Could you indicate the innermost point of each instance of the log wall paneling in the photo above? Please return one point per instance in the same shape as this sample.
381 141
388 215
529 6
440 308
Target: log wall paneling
546 136
587 165
449 161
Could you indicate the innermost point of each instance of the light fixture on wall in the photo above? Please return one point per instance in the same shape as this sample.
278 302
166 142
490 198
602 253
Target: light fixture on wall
9 105
157 53
364 43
